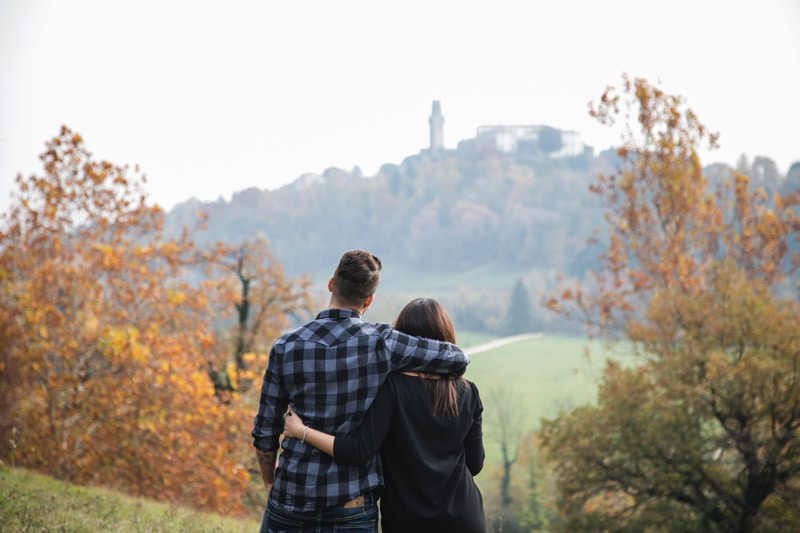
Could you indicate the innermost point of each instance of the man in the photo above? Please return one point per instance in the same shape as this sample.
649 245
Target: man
330 371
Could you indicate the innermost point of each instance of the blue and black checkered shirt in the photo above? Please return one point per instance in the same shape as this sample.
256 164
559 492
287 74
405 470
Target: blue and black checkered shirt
330 371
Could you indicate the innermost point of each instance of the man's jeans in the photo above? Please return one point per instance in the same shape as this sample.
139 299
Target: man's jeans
355 520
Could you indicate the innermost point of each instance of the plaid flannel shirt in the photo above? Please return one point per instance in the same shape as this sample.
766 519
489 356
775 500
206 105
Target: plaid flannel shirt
330 371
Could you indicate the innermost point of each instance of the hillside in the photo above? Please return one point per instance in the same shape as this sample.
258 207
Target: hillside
34 502
443 223
462 225
445 211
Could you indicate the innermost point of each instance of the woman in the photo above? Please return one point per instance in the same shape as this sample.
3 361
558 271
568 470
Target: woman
427 428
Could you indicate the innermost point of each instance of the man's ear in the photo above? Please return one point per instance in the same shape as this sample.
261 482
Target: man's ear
330 284
369 300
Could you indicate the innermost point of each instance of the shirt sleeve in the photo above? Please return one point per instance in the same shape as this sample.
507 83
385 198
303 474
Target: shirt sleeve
473 442
417 354
362 446
268 423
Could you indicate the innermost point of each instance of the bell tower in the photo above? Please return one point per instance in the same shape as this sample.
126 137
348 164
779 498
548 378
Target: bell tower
436 122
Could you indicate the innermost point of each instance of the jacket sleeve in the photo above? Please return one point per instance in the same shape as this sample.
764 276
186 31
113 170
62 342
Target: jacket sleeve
359 448
417 354
473 442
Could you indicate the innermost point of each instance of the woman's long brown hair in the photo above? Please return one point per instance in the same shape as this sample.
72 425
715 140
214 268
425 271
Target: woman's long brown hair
425 317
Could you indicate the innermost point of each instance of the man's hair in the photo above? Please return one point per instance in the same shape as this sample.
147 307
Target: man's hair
356 278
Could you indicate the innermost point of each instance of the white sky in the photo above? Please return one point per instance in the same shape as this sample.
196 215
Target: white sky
214 97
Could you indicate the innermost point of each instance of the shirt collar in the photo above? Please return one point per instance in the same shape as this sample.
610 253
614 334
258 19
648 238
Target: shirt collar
338 314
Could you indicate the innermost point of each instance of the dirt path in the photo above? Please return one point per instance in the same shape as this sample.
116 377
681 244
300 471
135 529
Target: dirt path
500 342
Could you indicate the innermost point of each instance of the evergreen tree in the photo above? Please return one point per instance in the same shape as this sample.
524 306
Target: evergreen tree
519 317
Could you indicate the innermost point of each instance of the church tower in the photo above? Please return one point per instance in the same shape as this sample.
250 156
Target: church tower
436 122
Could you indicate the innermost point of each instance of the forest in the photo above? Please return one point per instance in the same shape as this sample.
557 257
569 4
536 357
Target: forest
132 340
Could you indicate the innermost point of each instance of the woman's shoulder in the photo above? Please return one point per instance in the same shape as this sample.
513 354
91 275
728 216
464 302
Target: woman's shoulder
469 384
472 388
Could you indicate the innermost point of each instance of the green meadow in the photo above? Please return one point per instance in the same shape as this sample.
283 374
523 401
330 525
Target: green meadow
536 378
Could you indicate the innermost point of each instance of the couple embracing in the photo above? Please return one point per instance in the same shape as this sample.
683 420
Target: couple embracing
369 412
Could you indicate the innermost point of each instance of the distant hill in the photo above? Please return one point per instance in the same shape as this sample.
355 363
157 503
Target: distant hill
448 211
460 224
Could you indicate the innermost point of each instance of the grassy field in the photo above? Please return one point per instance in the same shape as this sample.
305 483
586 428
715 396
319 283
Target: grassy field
35 503
532 379
536 378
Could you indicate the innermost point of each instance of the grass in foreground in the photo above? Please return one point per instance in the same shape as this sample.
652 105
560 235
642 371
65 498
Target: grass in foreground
32 502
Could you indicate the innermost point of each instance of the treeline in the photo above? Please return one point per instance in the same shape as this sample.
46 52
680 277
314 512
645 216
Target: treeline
448 212
513 218
443 212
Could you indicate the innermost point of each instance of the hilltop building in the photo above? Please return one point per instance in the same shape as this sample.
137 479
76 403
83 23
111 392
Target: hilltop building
544 139
436 123
537 140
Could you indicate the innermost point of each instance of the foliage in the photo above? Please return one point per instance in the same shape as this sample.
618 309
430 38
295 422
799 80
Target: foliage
447 213
249 280
36 503
535 517
703 434
666 227
707 428
103 368
550 140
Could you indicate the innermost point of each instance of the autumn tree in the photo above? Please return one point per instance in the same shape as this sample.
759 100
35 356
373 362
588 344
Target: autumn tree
703 432
248 284
100 373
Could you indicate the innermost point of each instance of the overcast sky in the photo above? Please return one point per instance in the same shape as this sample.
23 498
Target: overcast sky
214 97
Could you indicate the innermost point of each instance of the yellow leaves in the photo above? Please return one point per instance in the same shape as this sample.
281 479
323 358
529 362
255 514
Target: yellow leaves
206 341
176 297
108 343
139 352
233 374
110 259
